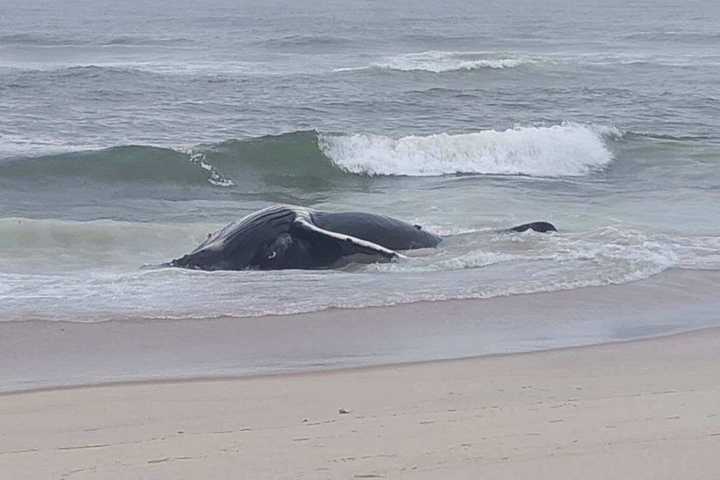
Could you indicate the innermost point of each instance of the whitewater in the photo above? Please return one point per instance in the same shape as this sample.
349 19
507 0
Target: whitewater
560 150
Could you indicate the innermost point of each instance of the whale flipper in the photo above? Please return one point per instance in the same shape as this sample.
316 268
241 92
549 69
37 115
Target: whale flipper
354 244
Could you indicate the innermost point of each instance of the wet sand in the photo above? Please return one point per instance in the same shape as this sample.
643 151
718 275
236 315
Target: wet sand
42 354
646 409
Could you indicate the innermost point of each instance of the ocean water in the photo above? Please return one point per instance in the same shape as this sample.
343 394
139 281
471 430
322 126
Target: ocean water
131 130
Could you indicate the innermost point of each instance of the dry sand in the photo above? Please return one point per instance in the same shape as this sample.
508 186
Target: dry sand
640 410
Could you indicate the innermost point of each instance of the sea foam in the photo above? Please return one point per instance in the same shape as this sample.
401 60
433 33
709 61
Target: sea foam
562 150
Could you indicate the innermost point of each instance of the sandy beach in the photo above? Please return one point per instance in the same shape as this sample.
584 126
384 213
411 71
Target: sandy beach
646 409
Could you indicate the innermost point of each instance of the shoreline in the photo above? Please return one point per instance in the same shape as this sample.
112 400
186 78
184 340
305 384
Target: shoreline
362 368
644 409
40 354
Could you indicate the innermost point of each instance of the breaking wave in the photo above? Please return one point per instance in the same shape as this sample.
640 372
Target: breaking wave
560 150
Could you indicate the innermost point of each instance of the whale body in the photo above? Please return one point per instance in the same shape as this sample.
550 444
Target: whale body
291 237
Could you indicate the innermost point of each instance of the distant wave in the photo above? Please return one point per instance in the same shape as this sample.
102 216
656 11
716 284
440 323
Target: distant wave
641 59
91 71
290 41
133 40
49 40
42 70
560 150
673 35
37 39
438 62
664 136
431 62
313 158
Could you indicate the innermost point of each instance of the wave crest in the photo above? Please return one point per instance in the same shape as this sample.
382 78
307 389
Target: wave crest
560 150
439 62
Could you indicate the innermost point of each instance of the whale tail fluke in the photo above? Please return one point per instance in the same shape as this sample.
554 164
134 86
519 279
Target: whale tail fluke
542 227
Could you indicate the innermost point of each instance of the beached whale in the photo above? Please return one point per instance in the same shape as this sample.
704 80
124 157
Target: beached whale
290 237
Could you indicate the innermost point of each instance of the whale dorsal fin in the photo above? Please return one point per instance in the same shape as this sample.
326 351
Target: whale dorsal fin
361 244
